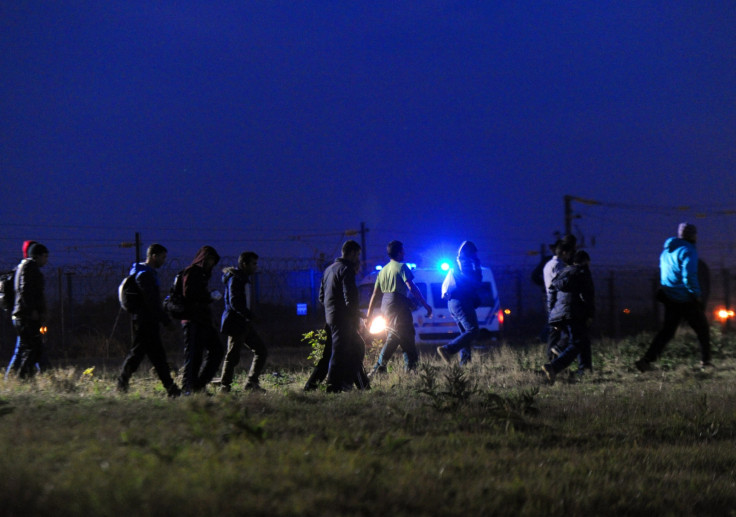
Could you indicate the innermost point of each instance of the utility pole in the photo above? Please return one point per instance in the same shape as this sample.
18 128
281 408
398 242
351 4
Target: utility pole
137 247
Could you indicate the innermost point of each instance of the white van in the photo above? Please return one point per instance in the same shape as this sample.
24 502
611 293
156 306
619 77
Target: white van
440 328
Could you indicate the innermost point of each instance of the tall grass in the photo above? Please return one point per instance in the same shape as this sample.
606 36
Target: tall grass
489 439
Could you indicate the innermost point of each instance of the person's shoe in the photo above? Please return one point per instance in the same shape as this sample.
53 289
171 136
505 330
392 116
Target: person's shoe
217 381
377 371
554 351
253 387
225 388
643 365
443 355
549 372
173 391
707 365
311 386
122 386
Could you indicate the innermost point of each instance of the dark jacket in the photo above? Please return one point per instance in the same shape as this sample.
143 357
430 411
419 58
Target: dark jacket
236 316
146 278
197 297
339 294
29 291
572 295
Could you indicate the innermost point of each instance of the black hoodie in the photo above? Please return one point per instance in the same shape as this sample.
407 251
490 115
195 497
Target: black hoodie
194 285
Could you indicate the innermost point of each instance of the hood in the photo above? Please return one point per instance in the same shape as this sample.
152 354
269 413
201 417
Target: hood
202 255
228 272
467 248
139 267
674 243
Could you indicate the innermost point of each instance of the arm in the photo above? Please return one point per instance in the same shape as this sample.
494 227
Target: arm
375 298
235 291
418 295
690 272
151 297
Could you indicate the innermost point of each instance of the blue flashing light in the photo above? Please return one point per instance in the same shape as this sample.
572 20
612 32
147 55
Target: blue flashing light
445 266
411 265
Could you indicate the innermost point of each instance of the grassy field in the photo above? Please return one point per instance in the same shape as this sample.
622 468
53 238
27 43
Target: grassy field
491 439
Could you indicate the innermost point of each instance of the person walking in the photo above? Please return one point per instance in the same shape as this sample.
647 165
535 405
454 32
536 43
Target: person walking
681 294
29 311
339 295
146 321
460 289
200 334
392 288
237 323
571 310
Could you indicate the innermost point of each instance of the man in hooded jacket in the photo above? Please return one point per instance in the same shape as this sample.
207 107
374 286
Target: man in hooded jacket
236 323
681 295
200 334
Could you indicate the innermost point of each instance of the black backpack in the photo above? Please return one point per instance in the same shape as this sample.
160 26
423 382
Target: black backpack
130 295
7 290
174 303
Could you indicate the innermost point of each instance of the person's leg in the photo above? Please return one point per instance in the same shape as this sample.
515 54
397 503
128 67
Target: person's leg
232 358
192 356
31 344
695 316
14 363
339 375
213 346
467 320
570 352
135 356
672 318
254 342
157 355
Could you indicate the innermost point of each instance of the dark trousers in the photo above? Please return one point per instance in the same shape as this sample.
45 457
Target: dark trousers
200 339
249 339
674 313
146 342
396 311
578 345
346 361
30 347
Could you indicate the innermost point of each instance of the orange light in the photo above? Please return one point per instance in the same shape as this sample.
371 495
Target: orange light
627 311
724 314
43 330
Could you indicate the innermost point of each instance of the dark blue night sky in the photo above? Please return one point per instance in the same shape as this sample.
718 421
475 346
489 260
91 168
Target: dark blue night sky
277 126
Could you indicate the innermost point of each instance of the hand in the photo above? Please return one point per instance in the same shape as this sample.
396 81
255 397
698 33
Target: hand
429 310
216 295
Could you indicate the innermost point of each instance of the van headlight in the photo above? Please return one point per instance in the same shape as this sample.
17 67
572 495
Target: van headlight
378 325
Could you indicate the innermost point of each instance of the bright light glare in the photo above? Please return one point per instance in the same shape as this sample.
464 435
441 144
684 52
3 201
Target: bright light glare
411 265
378 325
724 314
445 266
378 268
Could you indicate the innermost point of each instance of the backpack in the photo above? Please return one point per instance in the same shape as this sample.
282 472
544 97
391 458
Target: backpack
7 290
174 303
130 295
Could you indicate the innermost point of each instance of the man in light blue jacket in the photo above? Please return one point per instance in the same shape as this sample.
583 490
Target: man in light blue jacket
681 295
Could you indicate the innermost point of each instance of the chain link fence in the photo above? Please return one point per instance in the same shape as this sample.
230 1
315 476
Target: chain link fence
85 319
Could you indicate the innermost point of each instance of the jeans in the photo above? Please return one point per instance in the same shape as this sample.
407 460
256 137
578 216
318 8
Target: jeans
463 312
249 339
674 313
198 339
346 362
578 345
30 347
396 311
